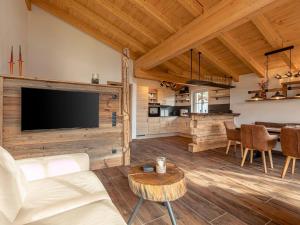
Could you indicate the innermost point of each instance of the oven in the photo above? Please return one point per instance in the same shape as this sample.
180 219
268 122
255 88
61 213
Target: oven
154 110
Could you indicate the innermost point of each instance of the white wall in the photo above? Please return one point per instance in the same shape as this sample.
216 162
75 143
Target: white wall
13 32
268 111
60 51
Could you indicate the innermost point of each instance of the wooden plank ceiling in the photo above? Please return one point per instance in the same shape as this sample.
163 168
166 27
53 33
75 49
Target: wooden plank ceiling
233 39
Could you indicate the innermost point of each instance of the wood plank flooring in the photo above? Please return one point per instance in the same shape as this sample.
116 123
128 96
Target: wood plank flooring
220 192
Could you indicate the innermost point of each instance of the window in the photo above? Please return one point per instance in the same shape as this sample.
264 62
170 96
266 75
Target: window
200 102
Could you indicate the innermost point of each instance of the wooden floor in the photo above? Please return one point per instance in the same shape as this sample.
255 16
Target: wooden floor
219 190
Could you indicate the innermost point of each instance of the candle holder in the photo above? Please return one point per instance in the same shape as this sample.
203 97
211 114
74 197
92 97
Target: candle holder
95 78
161 165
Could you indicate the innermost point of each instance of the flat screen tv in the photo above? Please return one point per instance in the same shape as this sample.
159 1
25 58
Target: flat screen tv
55 109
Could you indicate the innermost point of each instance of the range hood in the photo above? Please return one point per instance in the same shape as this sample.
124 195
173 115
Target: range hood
199 82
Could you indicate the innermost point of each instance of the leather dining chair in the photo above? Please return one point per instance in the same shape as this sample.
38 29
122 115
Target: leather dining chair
233 135
290 144
256 137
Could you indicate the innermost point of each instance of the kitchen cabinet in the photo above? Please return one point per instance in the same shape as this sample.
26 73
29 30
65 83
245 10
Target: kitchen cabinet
142 111
153 125
166 96
174 124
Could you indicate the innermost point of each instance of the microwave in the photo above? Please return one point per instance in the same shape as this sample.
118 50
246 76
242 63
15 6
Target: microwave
154 111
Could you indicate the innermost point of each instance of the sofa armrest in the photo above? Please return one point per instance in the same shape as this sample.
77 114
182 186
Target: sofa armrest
51 166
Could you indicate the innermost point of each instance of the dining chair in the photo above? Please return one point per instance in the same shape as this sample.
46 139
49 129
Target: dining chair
256 137
233 135
290 144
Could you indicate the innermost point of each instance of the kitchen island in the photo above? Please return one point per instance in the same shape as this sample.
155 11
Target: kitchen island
208 130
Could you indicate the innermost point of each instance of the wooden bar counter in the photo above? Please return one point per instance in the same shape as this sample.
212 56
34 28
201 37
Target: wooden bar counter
208 131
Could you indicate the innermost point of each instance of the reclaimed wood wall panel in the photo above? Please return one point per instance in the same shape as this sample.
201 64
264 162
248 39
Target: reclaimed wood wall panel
208 131
98 143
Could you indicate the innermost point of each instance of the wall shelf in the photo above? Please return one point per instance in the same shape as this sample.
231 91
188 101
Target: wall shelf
285 87
272 100
221 96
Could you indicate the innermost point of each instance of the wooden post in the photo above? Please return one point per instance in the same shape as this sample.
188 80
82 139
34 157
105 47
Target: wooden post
1 110
126 106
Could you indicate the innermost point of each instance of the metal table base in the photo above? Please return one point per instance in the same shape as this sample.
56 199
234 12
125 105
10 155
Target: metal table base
139 204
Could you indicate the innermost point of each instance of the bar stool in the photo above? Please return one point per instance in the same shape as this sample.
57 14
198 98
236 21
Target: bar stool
256 137
290 144
233 135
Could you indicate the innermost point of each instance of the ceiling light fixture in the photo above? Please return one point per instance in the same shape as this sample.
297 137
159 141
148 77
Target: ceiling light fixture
277 96
288 74
205 82
256 97
297 95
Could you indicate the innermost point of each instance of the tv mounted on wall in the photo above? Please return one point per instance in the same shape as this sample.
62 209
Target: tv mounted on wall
55 109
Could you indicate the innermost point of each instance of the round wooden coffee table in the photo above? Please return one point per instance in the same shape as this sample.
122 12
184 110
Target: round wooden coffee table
157 187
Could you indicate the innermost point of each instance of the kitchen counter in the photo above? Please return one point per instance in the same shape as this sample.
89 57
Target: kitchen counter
208 130
215 114
168 125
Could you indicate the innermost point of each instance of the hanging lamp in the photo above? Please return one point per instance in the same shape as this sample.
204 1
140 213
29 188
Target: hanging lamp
199 82
256 97
278 96
297 95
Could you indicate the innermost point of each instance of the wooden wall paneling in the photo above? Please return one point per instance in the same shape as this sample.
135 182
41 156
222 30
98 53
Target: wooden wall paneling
142 110
1 111
98 143
208 132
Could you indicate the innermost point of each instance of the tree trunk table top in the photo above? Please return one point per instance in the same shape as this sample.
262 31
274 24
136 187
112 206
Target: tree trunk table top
157 187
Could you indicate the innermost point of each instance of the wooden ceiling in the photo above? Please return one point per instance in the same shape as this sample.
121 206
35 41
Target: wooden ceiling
232 35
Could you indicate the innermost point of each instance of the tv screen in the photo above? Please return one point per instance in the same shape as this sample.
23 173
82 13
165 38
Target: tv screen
55 109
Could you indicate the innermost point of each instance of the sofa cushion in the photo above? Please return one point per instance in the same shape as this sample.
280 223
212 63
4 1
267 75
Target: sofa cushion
99 213
50 196
12 186
3 219
51 166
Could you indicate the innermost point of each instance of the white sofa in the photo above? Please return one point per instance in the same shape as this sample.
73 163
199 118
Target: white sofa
55 190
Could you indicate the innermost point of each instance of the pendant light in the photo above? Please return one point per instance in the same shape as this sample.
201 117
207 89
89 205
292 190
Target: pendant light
256 97
277 96
199 82
297 95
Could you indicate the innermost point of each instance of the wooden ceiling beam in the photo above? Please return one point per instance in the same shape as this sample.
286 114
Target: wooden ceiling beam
28 4
192 6
73 21
136 25
271 36
109 27
218 63
158 75
155 14
200 30
242 54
